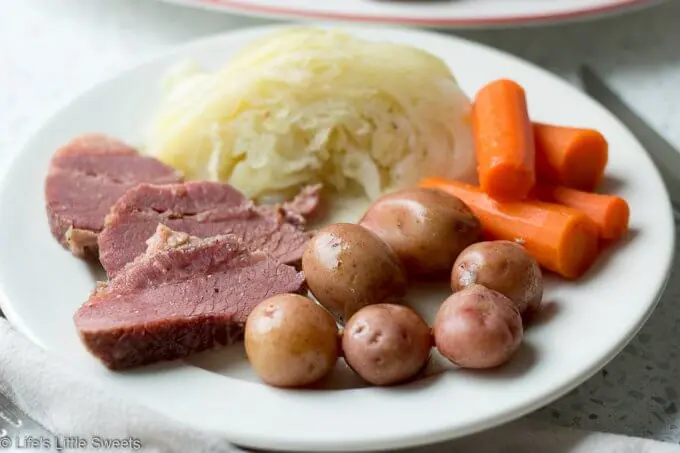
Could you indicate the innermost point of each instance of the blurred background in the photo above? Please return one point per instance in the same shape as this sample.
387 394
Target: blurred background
51 49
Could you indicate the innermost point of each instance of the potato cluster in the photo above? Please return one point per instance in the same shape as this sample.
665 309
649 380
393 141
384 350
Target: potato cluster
360 272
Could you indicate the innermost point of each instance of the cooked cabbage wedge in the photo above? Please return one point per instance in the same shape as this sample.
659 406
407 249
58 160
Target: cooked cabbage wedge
311 105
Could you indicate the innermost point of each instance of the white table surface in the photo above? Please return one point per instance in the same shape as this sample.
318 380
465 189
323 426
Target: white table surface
52 49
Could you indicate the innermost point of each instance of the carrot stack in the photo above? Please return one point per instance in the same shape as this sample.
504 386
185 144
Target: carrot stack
537 182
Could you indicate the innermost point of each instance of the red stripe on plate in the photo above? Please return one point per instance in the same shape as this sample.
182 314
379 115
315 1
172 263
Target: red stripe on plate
237 5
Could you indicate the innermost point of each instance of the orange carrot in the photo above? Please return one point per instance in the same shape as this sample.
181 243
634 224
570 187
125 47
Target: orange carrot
570 156
504 141
562 239
610 213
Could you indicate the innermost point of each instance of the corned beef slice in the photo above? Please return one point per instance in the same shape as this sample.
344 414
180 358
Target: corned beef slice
182 295
85 178
202 209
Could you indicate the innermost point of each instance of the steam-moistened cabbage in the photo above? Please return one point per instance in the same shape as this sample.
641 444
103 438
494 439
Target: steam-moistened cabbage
315 105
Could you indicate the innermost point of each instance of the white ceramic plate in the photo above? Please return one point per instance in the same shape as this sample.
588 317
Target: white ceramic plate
427 13
586 324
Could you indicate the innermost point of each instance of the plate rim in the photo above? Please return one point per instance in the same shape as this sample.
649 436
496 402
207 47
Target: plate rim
430 436
246 7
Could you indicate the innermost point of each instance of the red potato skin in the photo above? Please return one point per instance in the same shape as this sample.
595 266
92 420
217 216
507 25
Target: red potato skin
478 328
502 266
386 344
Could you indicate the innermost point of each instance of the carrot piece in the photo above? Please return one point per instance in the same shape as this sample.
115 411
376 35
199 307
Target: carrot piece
610 213
570 156
562 239
504 141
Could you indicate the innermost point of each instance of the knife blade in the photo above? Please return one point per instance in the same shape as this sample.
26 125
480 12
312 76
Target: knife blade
664 155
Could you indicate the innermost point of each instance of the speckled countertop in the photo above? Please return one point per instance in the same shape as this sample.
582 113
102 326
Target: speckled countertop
50 49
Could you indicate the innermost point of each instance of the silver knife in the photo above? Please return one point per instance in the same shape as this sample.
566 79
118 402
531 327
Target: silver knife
665 156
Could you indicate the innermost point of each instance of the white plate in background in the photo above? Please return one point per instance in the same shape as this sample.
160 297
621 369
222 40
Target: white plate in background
427 13
41 284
